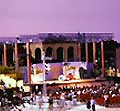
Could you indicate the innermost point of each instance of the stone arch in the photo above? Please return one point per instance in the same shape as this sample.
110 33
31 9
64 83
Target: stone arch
60 54
48 52
38 54
70 53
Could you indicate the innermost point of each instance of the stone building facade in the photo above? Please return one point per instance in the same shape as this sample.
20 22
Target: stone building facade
56 46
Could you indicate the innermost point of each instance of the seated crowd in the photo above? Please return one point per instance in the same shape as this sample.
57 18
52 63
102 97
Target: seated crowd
101 93
104 94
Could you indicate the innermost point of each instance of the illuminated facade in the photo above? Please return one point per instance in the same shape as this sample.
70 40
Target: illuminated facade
58 47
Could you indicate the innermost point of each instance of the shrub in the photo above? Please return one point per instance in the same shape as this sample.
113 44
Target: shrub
7 70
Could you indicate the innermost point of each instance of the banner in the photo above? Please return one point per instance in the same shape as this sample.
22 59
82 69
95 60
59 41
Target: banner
38 72
70 70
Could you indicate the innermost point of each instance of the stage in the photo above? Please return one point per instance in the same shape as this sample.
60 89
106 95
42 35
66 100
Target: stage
60 82
70 83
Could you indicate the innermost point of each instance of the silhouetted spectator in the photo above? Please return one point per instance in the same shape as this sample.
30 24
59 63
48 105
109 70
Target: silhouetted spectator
93 104
88 104
81 72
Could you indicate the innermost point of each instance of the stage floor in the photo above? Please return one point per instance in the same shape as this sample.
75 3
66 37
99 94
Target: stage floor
59 82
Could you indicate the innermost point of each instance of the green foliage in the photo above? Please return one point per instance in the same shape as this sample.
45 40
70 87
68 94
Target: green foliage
18 74
11 72
97 72
7 70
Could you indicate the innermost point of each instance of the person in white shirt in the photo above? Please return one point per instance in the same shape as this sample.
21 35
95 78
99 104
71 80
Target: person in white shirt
62 100
106 100
93 102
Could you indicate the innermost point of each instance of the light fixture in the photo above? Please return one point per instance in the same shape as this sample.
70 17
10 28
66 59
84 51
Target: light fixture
18 40
7 42
30 40
96 60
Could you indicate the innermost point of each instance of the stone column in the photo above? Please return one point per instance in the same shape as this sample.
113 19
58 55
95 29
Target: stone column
102 58
16 57
42 51
65 54
79 51
5 55
2 58
28 62
94 53
86 49
54 55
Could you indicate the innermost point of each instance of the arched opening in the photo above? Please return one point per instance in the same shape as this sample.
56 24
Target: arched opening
83 52
37 55
90 52
70 53
10 56
48 52
60 54
22 55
